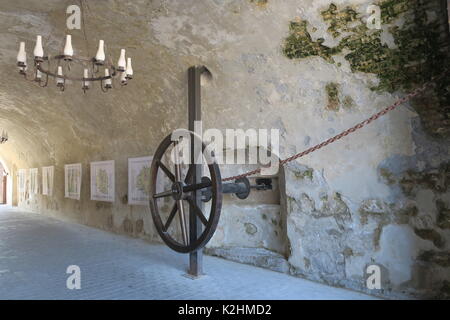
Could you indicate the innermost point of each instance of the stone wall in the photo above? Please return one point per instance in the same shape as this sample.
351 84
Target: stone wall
309 68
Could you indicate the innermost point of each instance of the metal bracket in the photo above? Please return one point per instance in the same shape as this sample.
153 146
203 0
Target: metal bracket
240 187
263 184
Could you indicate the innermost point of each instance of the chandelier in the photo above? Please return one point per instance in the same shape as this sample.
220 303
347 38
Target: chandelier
3 137
65 66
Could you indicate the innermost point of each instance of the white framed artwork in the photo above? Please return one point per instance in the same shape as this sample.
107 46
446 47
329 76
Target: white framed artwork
22 181
34 181
102 181
72 181
139 180
47 180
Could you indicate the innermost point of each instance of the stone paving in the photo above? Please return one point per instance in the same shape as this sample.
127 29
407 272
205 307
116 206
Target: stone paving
36 250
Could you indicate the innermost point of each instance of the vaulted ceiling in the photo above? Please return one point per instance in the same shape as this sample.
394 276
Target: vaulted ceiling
163 37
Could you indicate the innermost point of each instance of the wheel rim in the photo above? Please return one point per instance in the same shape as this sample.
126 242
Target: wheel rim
209 224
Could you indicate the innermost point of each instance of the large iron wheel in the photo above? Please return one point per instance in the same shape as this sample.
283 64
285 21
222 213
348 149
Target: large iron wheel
181 191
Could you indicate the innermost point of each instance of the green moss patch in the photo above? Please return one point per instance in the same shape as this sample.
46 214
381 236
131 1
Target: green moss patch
332 90
306 174
418 56
260 3
299 43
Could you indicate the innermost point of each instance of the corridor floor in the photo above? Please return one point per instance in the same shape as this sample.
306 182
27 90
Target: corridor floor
36 250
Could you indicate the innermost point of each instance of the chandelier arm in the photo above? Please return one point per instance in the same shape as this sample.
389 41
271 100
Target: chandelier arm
46 82
95 67
27 77
46 75
104 89
54 75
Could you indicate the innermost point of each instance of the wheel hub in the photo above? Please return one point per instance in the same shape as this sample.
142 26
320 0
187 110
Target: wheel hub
177 190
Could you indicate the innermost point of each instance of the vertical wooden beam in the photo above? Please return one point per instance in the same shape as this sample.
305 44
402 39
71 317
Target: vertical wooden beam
194 114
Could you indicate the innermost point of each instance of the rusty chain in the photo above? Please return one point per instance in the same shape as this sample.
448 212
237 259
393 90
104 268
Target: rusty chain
341 135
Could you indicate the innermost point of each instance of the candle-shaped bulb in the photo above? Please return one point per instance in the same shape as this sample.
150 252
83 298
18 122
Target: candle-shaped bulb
100 56
22 55
68 49
59 81
108 82
122 63
38 49
129 70
86 76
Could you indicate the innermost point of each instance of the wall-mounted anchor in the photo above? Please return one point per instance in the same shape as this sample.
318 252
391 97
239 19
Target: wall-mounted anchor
240 187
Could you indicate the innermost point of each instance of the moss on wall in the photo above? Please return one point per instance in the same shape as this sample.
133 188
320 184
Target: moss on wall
332 89
260 3
336 99
308 173
419 53
299 43
339 20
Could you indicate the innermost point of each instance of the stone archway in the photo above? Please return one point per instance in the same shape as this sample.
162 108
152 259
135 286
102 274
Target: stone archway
6 184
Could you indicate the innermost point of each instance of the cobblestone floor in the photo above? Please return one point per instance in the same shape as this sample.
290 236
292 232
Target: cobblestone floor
36 250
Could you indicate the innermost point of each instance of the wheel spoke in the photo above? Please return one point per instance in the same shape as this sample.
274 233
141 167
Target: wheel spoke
163 194
166 171
197 211
171 216
189 174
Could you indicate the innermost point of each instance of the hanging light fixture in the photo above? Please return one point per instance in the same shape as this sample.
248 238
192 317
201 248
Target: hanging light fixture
63 65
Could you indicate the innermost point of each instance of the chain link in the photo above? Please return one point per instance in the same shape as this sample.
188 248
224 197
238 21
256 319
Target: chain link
341 135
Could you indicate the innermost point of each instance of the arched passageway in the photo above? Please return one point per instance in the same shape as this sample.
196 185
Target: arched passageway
6 184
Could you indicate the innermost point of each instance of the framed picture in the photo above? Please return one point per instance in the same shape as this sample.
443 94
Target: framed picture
22 181
72 181
102 181
34 181
47 180
139 180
